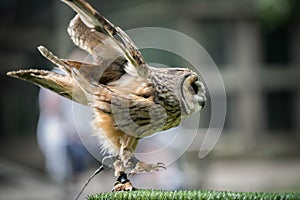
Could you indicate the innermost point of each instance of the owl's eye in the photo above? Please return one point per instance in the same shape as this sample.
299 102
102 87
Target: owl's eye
194 87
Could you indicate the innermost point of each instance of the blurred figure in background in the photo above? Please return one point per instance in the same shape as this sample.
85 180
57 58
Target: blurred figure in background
65 155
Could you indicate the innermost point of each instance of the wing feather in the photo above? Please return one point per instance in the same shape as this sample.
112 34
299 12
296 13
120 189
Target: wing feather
59 83
92 32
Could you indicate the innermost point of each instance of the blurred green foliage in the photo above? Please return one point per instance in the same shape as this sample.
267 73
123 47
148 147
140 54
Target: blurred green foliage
275 13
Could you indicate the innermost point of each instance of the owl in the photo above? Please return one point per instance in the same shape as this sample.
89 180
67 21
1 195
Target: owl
130 99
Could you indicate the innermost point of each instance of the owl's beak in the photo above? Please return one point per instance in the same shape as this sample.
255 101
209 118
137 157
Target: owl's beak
201 100
202 104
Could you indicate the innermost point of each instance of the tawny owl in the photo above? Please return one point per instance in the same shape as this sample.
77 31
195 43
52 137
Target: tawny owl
130 99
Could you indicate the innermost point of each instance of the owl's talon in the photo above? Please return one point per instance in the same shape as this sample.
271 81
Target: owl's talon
143 167
123 187
161 165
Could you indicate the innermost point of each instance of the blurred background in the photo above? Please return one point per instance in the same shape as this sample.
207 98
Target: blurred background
254 43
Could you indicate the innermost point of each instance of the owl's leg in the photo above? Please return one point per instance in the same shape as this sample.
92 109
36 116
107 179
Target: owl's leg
142 167
127 147
127 150
122 166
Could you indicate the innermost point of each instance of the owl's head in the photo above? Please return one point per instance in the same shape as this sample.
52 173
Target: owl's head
192 93
180 89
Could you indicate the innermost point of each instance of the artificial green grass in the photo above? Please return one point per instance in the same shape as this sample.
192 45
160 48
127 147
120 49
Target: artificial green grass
194 194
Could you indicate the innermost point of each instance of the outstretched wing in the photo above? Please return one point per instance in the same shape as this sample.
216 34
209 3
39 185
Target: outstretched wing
104 41
61 84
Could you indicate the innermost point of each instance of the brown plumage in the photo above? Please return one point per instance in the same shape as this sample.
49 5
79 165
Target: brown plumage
129 98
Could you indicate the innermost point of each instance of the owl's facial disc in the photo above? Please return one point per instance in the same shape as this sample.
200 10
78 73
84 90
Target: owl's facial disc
193 93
